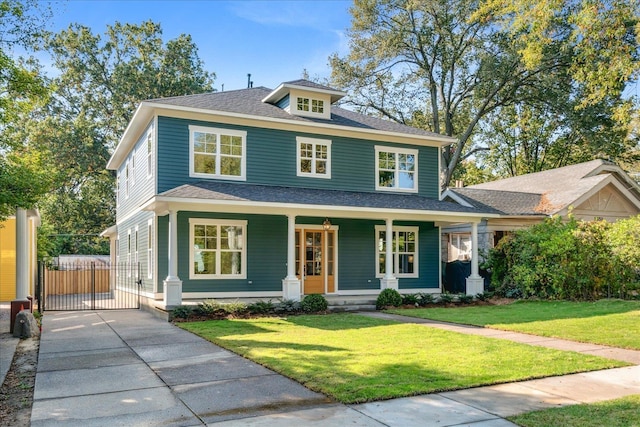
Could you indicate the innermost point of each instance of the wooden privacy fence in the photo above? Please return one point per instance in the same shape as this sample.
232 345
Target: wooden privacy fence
88 286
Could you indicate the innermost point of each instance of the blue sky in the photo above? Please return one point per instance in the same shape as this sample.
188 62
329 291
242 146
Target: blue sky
273 40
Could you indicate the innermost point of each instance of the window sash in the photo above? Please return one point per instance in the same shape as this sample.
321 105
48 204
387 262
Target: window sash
314 157
217 153
218 249
404 250
396 169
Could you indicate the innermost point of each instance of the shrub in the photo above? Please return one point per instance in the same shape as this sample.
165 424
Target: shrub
484 296
208 307
314 303
446 298
388 297
261 307
559 259
410 299
465 299
425 299
181 312
288 306
235 307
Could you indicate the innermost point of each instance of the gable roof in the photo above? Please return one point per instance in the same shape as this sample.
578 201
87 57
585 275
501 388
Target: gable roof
547 192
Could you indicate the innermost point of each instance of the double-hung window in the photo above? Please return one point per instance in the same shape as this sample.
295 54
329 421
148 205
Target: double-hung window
218 249
149 153
404 249
314 157
396 169
217 153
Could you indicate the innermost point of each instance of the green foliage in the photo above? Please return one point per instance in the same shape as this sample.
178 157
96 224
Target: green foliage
445 298
465 299
484 296
181 312
234 308
564 260
410 299
208 307
314 303
261 307
425 299
288 306
388 298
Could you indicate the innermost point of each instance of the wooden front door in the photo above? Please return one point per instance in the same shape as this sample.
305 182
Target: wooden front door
315 260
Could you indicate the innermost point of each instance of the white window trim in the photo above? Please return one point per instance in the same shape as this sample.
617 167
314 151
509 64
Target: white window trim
118 189
293 105
149 142
416 259
243 253
396 150
136 246
133 166
150 242
218 131
127 178
314 141
129 253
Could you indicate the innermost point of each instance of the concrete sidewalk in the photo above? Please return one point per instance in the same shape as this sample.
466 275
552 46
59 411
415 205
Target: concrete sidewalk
129 368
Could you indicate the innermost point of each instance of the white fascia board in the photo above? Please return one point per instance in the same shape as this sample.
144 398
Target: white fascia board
456 197
423 140
138 123
284 88
162 204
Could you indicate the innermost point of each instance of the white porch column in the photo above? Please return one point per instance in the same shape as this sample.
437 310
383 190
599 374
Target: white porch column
475 283
389 280
291 284
22 255
173 284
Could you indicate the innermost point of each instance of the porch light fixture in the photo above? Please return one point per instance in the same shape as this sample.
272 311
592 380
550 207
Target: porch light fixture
326 224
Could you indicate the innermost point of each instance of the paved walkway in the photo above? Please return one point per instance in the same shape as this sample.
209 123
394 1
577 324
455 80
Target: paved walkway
129 368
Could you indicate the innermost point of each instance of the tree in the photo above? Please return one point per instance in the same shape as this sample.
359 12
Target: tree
102 79
23 179
448 65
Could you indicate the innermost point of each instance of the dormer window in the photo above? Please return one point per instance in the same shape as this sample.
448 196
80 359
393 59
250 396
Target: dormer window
305 98
317 105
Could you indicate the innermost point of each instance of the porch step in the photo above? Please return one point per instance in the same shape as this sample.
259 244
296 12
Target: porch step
347 303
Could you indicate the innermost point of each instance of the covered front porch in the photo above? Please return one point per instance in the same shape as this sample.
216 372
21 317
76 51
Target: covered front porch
335 243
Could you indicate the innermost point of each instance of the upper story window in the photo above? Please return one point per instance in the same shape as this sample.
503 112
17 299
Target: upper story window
396 169
126 180
310 105
217 153
314 157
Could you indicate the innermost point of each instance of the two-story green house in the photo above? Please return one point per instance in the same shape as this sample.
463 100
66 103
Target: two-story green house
277 194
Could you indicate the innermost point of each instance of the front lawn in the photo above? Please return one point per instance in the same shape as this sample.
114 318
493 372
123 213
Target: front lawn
358 359
608 322
624 412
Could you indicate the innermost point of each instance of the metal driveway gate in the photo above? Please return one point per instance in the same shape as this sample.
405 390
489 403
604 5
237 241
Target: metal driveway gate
88 286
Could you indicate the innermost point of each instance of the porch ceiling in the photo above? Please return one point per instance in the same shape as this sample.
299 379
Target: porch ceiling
262 199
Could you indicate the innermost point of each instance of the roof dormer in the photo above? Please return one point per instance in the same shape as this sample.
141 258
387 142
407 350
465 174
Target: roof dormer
304 98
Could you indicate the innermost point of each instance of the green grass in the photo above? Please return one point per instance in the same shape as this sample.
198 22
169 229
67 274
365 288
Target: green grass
624 412
357 359
608 322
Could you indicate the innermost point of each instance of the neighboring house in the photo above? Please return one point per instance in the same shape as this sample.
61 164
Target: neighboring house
277 193
593 190
8 243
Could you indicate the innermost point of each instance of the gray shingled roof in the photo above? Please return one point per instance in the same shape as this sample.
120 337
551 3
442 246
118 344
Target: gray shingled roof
214 190
249 102
546 192
502 202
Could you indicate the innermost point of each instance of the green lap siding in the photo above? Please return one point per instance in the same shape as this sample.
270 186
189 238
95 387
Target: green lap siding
266 245
271 159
